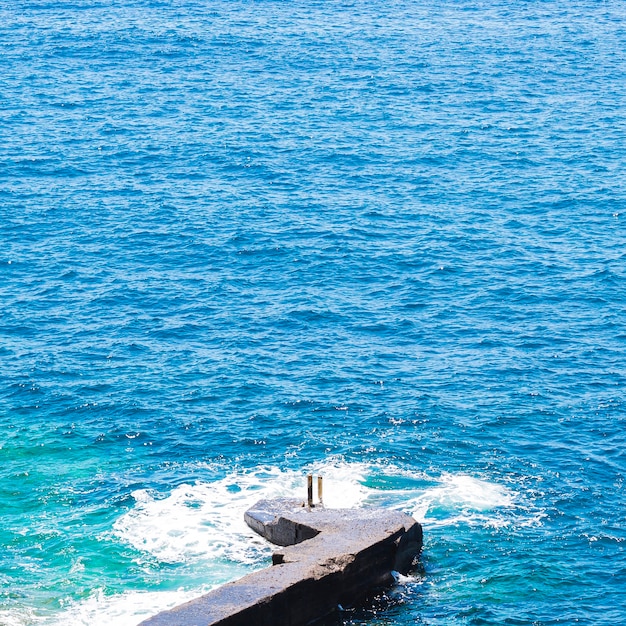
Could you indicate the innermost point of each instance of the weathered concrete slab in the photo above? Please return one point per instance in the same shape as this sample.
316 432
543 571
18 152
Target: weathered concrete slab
330 557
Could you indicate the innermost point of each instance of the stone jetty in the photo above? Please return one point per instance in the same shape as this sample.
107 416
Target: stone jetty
328 558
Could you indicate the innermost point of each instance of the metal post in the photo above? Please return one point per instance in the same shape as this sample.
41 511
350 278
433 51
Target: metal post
309 481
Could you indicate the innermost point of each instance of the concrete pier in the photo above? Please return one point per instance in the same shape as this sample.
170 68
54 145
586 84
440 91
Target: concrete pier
329 557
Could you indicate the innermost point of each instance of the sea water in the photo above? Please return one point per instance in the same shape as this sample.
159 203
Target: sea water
383 242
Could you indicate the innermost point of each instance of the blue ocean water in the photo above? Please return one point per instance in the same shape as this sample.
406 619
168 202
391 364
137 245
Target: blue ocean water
243 241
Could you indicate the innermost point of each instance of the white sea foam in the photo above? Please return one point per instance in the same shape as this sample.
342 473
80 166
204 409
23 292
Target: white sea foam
100 609
193 522
125 609
16 617
462 499
206 519
202 523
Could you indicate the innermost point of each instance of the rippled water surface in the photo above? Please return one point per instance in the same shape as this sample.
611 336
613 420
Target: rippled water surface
242 241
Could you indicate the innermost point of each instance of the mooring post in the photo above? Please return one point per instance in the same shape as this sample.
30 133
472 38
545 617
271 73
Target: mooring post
319 489
309 480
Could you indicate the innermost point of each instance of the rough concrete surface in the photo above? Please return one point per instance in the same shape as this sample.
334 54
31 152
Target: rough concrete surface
329 557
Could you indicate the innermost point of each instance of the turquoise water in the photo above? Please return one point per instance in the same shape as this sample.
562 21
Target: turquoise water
244 241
